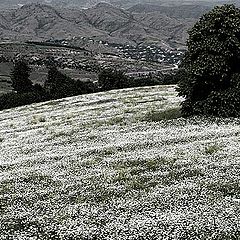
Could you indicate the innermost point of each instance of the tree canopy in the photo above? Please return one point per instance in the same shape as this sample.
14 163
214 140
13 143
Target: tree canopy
212 64
112 79
20 77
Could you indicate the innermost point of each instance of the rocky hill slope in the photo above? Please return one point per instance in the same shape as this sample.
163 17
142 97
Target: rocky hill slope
182 11
142 23
119 3
103 21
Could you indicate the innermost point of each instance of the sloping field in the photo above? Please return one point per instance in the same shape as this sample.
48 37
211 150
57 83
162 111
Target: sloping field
5 80
97 167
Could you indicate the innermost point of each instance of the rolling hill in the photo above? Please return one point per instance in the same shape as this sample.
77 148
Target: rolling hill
98 167
120 3
103 21
155 22
37 21
178 12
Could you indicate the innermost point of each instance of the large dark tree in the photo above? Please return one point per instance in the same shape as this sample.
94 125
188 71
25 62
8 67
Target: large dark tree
112 79
58 85
20 77
212 63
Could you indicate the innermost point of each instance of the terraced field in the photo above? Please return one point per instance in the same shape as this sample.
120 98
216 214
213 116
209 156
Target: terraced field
118 165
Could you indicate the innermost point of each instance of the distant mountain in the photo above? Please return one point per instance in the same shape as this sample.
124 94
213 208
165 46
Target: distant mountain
38 22
107 17
171 30
160 25
183 11
119 3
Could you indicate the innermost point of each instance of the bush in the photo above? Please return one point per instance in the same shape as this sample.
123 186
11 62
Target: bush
143 81
168 114
114 79
211 85
85 87
224 103
11 100
57 86
174 77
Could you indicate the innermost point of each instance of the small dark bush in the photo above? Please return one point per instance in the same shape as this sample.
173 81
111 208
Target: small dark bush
85 87
168 114
143 81
114 79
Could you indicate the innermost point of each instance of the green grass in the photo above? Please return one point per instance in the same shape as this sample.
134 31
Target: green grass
155 116
226 188
211 149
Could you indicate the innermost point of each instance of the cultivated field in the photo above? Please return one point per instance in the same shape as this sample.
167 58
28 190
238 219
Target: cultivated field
106 166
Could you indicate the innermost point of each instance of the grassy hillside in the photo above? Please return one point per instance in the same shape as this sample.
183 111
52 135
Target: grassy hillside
5 80
98 167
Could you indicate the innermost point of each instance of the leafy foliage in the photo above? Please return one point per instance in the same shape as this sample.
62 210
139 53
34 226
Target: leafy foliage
25 92
20 77
11 100
115 79
58 85
212 63
112 79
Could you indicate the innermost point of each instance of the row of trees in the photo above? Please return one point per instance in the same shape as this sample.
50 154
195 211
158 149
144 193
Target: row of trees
58 85
114 79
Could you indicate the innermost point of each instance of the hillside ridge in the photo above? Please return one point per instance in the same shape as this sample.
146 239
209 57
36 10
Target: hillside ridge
103 21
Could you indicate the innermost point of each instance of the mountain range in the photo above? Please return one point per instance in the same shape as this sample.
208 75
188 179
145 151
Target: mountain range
119 3
138 24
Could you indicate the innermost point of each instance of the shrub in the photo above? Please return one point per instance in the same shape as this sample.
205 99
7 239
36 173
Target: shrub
168 114
173 77
85 87
11 100
144 81
113 79
211 86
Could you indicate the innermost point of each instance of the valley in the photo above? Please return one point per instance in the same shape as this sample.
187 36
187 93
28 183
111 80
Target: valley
84 63
84 41
139 40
